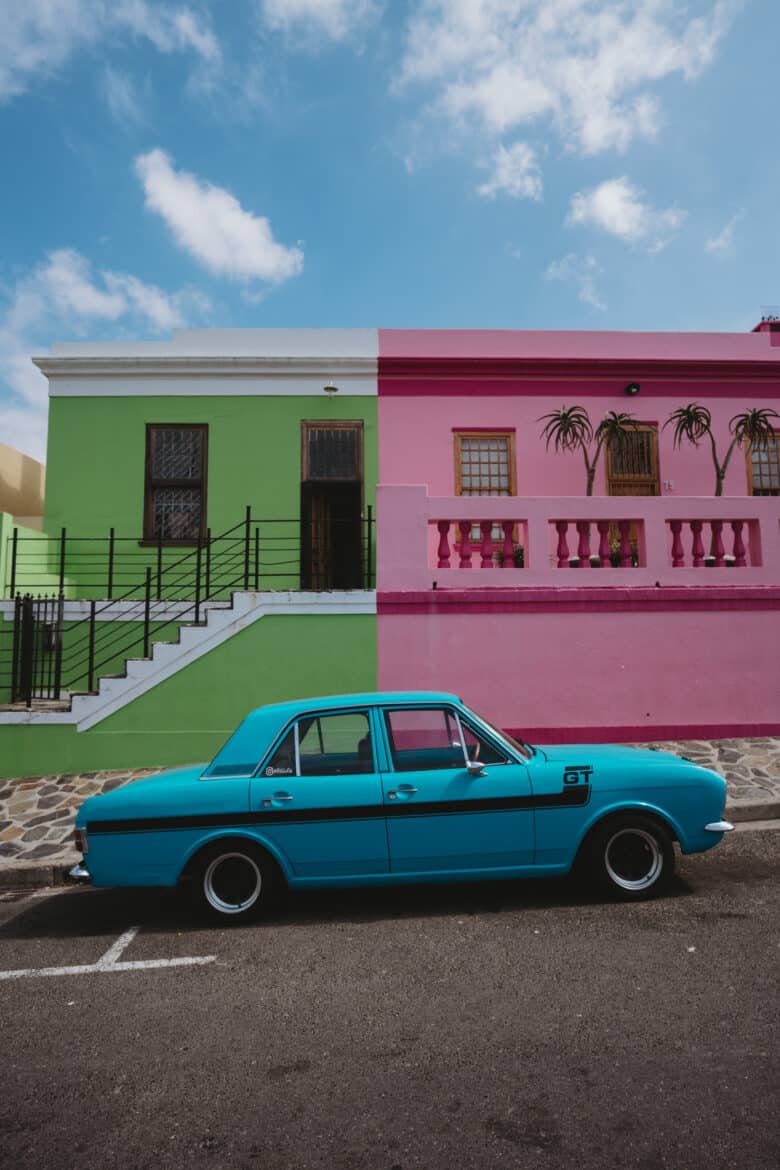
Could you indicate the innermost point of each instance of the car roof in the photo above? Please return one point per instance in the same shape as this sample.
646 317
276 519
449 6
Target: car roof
255 734
359 699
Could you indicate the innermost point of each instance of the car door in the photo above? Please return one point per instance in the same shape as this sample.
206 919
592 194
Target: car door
319 796
441 816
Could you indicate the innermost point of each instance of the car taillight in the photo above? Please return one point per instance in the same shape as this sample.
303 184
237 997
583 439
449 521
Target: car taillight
81 840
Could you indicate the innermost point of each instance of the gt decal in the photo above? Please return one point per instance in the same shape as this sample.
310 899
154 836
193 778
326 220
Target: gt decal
577 774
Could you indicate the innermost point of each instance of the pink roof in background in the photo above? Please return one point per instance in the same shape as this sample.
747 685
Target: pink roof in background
573 345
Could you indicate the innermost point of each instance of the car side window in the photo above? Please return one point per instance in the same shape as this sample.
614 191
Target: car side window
479 748
282 762
335 745
423 739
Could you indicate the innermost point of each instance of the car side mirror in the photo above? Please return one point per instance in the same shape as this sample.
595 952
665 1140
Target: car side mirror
474 768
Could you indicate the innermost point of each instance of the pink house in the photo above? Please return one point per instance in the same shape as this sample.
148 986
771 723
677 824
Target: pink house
649 610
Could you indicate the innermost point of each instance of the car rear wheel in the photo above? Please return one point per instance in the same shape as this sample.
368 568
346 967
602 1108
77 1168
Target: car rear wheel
631 857
234 881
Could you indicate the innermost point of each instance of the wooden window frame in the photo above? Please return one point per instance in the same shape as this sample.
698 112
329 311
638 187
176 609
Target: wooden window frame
461 433
332 425
150 484
749 463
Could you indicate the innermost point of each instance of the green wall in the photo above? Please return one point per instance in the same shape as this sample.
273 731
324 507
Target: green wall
186 718
96 455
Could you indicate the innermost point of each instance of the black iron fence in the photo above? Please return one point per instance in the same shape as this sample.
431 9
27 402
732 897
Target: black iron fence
48 653
255 553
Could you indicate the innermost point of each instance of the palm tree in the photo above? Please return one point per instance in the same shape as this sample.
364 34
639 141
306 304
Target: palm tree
694 422
570 429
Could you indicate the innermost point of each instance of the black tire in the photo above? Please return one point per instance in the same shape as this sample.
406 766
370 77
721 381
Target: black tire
630 857
234 881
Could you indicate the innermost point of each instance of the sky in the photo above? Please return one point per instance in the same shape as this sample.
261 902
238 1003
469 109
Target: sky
506 164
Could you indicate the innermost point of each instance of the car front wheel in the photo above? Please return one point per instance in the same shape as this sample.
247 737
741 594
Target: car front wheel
632 857
234 881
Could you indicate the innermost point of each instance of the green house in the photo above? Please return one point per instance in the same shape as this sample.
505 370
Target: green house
208 541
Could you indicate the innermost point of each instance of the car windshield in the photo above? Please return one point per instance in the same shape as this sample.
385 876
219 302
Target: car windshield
526 750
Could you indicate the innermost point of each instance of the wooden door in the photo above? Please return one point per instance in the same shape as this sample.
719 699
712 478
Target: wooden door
331 505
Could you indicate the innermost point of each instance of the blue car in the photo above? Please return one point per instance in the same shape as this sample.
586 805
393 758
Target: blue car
380 789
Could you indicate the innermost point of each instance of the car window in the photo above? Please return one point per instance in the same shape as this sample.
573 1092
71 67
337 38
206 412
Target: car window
422 739
282 762
335 745
479 748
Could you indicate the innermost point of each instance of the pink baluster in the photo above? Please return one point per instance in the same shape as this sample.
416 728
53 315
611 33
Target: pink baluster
698 544
716 547
739 546
508 547
465 544
604 551
561 527
678 552
624 527
583 547
444 544
486 548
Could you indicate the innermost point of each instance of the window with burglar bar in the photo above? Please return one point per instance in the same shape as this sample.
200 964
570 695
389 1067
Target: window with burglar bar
175 503
764 468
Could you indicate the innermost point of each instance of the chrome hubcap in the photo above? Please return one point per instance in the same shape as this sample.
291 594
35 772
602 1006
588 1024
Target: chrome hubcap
633 859
232 883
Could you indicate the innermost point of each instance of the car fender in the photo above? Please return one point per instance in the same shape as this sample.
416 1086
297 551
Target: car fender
252 837
617 807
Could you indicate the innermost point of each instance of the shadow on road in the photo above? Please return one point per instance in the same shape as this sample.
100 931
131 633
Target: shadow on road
83 911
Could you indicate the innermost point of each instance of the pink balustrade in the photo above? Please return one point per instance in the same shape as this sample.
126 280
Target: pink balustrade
726 543
629 540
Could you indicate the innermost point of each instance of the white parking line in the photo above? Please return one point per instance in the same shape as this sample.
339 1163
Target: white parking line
109 962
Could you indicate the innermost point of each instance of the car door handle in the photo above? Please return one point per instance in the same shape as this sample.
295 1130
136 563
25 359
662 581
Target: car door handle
282 796
402 790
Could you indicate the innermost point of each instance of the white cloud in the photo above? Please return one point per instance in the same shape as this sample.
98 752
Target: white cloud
723 243
335 19
210 224
63 295
41 36
515 172
589 65
579 272
616 206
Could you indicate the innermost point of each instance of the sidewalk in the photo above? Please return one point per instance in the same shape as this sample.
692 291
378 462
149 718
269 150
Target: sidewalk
36 815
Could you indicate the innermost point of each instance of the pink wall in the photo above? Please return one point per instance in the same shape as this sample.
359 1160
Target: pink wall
574 677
431 381
664 649
416 442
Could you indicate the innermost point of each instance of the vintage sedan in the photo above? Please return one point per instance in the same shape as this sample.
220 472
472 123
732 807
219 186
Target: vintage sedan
376 789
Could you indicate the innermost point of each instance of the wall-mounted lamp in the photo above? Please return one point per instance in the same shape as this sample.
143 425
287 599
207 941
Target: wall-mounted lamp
330 389
631 389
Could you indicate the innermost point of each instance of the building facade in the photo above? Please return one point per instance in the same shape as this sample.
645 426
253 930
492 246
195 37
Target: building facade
238 516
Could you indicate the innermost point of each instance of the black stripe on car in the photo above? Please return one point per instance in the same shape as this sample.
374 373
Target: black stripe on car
571 797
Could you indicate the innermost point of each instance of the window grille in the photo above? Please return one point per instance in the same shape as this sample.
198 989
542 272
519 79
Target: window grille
175 482
332 451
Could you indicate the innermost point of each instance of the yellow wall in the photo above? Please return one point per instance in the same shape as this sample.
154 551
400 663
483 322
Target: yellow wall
21 486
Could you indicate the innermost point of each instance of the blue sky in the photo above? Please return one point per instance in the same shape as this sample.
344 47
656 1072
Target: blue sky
591 164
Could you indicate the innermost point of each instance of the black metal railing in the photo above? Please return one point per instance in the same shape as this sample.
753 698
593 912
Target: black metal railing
45 655
274 553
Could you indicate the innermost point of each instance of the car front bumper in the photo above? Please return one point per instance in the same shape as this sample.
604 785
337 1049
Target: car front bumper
719 827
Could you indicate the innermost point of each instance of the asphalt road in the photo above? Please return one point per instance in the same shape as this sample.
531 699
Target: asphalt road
495 1025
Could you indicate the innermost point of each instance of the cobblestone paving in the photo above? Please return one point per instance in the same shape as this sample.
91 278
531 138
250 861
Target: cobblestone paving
36 815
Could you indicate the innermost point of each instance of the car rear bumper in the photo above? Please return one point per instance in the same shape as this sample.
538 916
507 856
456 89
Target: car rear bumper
718 827
79 873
